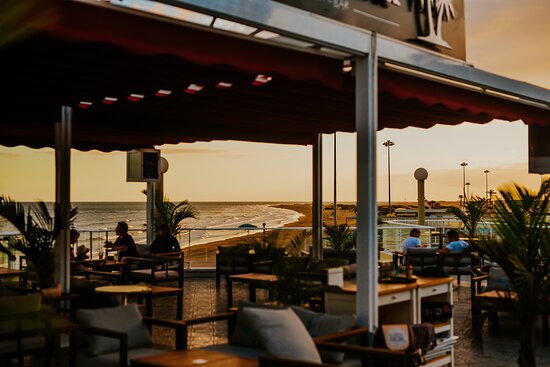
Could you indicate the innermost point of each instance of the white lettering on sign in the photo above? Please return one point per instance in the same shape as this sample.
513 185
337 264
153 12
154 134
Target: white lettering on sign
436 12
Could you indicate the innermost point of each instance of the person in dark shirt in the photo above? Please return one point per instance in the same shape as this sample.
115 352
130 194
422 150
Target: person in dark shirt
74 235
124 243
164 242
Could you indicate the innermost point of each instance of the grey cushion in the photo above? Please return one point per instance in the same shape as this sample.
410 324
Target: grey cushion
422 256
319 324
243 334
497 281
282 334
122 318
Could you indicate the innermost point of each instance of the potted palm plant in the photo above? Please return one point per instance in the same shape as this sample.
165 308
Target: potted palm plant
522 250
38 231
474 210
341 238
172 215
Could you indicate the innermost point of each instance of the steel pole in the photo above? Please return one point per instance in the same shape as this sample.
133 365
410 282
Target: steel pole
317 200
486 184
63 137
389 180
366 120
335 202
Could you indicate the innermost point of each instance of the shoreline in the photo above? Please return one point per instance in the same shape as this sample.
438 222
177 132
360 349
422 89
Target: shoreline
199 253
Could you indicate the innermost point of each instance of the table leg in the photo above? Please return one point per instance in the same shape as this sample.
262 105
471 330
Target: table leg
229 284
545 329
149 303
124 299
179 309
252 292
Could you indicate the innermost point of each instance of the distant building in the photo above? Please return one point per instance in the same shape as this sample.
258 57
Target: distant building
413 213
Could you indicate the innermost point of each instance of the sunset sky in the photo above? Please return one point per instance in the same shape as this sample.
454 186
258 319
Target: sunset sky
506 37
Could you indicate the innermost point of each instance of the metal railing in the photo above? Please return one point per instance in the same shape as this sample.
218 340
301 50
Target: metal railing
200 244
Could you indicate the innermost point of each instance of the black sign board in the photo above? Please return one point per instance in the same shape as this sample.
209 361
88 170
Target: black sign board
539 149
434 24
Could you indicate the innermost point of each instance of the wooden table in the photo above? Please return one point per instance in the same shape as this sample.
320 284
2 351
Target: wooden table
107 269
194 358
124 290
8 273
254 280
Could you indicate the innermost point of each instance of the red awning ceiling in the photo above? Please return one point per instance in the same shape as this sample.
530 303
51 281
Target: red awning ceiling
443 103
91 53
78 22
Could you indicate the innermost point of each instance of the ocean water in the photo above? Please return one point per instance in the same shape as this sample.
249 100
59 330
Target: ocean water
97 220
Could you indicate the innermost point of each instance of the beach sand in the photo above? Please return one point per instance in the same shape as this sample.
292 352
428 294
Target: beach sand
204 255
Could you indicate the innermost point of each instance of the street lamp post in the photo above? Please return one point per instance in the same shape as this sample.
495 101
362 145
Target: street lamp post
464 164
388 144
486 184
467 190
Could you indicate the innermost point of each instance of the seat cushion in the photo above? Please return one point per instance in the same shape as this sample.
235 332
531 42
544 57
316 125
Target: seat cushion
498 280
18 304
282 334
319 324
124 318
243 334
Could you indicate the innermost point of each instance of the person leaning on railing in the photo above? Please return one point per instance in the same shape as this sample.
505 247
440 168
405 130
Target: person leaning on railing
124 243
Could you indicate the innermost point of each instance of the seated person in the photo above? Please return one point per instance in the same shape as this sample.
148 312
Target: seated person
411 242
164 242
82 253
455 243
74 235
124 243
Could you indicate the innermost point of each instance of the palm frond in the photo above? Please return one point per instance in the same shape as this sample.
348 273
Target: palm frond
172 215
13 212
474 211
296 244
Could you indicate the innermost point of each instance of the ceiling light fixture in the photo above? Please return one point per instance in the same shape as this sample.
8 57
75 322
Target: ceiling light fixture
224 85
109 100
84 105
261 80
135 97
163 93
193 88
347 67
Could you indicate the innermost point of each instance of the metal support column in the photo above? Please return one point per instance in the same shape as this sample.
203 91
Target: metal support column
63 197
317 204
150 212
335 208
366 103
